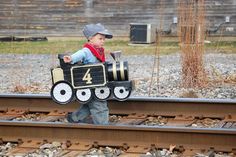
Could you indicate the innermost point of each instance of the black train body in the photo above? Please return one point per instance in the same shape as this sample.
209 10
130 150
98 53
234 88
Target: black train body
83 82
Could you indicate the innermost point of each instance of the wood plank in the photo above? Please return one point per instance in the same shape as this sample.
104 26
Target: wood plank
57 16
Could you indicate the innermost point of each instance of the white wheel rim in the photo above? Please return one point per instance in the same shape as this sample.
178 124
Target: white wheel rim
62 92
83 94
102 93
121 92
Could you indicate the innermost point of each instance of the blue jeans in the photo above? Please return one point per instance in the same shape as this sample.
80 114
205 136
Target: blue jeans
97 109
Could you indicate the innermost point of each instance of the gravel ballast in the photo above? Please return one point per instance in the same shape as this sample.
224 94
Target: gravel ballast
30 73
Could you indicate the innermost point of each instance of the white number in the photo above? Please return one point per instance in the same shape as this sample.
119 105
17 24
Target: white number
87 77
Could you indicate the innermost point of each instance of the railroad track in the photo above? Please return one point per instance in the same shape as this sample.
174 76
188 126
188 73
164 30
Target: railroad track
130 133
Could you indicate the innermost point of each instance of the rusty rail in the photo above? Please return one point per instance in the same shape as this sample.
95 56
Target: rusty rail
135 138
143 105
218 139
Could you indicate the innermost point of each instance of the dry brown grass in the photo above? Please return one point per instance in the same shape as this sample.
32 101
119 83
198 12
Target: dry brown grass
217 78
189 94
32 88
191 30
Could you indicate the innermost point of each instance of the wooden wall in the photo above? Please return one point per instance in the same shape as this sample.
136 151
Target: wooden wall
67 17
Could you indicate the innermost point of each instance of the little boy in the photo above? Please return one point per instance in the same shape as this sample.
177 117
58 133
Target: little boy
93 52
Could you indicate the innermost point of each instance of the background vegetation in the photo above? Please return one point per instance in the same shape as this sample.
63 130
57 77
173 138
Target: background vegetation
166 46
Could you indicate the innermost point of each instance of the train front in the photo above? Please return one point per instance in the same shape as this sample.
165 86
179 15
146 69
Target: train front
83 82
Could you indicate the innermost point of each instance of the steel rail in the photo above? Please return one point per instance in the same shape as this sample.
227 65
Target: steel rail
161 137
143 105
119 135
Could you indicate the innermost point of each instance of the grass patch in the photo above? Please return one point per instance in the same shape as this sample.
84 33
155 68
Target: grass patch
43 47
55 47
221 46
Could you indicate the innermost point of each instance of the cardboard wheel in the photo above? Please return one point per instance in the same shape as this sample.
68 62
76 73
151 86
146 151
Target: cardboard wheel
121 93
102 93
83 95
62 92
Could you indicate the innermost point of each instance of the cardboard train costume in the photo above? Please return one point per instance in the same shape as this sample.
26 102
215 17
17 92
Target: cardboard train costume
83 82
94 78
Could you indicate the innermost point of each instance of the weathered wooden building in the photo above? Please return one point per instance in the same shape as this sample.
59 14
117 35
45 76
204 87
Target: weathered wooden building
67 17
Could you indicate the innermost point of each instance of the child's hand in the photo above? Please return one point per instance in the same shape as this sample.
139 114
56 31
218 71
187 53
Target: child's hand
67 59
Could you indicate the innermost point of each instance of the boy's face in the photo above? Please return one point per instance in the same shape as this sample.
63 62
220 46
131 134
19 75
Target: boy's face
98 40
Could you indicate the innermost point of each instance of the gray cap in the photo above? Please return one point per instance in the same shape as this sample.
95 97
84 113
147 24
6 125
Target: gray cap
93 29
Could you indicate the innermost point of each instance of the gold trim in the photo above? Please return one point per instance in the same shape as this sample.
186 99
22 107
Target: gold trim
89 65
114 71
122 71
